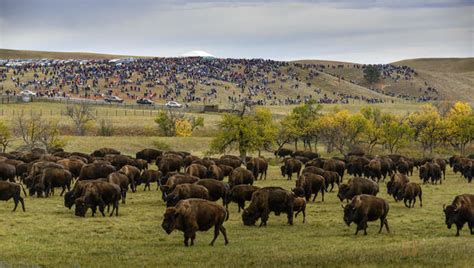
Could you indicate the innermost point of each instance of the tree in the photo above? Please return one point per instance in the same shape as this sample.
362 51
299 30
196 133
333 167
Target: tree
372 73
80 114
5 136
373 131
460 124
37 132
429 127
395 132
301 120
245 133
168 120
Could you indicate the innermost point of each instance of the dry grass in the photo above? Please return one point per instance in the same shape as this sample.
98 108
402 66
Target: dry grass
32 54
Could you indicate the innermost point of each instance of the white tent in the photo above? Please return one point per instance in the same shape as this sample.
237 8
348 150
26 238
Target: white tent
198 53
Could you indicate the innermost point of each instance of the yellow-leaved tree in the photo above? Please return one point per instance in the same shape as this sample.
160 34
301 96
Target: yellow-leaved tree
460 125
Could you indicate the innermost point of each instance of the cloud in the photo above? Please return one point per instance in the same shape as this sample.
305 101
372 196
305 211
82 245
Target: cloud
364 31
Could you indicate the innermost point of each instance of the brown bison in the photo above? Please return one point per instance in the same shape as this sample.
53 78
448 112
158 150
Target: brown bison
266 200
197 170
239 194
396 184
230 161
356 186
170 164
336 166
121 179
282 152
240 175
185 191
331 178
148 155
73 165
409 193
226 170
10 190
103 152
148 176
459 212
174 180
299 205
215 172
317 162
311 184
364 208
373 170
291 166
98 194
49 179
217 189
309 155
430 171
356 166
133 174
258 166
95 171
192 215
7 172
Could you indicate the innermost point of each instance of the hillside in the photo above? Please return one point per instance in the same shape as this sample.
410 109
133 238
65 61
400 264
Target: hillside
32 54
229 81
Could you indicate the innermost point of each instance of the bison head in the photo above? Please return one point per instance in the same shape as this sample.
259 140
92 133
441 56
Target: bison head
343 192
172 199
81 207
298 191
69 199
249 218
389 187
451 214
169 219
349 213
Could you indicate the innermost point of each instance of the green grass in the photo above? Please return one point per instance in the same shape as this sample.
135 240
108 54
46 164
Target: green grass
48 234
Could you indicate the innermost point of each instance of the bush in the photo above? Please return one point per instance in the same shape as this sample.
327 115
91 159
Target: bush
105 128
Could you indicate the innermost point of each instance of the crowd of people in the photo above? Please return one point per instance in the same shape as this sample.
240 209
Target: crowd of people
193 79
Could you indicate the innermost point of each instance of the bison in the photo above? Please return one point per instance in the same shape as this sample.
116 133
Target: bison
98 194
291 166
409 193
148 176
264 201
239 194
217 189
459 212
148 155
185 191
10 190
240 175
357 186
192 215
364 208
311 184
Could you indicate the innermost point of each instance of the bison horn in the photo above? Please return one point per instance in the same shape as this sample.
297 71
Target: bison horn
342 206
444 207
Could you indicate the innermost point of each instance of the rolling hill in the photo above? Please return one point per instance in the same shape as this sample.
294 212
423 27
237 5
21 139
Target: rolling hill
447 79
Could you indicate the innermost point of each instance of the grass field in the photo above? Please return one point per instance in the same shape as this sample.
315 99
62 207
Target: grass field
48 234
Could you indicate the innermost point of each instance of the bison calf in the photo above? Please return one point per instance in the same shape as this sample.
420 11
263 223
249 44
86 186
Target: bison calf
299 205
192 215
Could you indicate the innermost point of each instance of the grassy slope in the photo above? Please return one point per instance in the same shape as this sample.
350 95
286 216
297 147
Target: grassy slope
31 54
49 234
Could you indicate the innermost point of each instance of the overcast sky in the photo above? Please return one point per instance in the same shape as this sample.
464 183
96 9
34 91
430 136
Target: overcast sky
366 31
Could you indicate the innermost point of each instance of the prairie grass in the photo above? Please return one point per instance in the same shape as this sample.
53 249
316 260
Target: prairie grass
48 234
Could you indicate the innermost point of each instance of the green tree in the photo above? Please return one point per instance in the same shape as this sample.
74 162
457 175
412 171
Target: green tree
244 133
395 132
372 73
301 120
429 127
460 124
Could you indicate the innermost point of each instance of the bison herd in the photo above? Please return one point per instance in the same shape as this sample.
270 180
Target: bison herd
190 185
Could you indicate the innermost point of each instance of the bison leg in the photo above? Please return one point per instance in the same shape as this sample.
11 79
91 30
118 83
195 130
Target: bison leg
22 203
216 234
405 202
322 194
186 239
386 225
64 189
224 233
421 201
15 199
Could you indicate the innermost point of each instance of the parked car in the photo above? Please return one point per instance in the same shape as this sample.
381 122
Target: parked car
145 102
27 93
113 99
173 104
